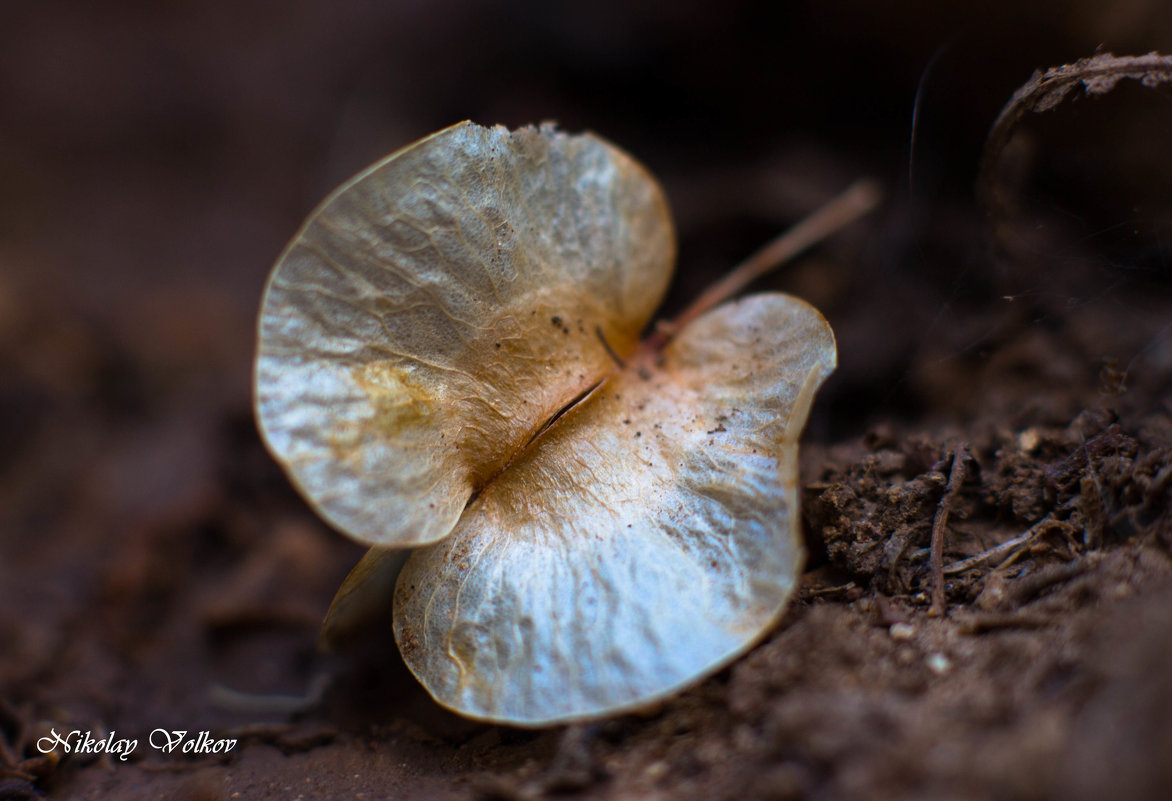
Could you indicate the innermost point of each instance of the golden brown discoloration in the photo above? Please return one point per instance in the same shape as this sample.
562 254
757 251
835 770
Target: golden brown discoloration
394 402
397 402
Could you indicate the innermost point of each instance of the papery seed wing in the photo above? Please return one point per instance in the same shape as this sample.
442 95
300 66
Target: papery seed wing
363 598
440 308
645 540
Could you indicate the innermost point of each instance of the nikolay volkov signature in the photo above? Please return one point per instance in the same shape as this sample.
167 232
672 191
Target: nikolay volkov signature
166 740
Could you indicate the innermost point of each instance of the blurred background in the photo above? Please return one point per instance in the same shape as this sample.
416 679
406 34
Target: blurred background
155 158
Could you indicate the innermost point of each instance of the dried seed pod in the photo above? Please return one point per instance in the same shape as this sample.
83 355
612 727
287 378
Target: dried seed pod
419 342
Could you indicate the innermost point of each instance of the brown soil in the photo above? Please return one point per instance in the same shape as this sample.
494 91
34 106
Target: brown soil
157 571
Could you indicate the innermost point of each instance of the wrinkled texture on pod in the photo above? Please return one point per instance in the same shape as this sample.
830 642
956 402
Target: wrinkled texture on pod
436 311
645 540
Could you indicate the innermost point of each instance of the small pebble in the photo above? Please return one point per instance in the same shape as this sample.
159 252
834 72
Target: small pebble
656 771
1029 440
902 632
939 664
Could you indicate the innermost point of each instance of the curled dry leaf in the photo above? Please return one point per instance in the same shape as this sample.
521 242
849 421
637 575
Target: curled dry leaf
449 361
1045 91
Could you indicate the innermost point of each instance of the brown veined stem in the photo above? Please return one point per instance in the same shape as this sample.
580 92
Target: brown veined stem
859 199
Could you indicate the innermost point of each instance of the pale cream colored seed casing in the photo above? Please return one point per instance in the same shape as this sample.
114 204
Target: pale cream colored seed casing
417 336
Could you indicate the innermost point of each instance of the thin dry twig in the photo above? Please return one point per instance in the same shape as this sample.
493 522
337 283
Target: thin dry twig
981 623
936 559
1029 587
859 199
830 592
998 553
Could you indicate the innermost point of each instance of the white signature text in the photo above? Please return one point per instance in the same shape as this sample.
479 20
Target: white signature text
167 741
